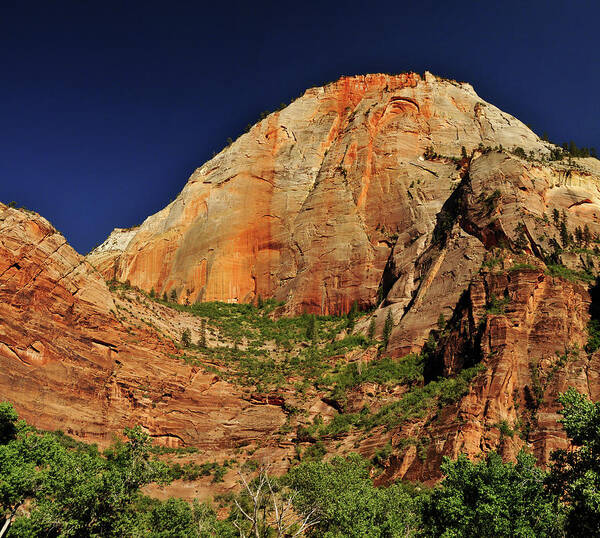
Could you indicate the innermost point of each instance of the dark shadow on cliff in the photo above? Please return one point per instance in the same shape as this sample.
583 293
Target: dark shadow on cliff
593 343
455 345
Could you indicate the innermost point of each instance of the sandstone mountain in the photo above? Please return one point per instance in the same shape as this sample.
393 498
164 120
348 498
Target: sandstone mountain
314 201
408 195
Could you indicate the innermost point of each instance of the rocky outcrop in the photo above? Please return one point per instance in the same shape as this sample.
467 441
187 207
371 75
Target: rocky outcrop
531 348
68 361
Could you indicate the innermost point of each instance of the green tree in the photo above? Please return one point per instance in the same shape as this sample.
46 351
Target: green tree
73 491
8 421
202 339
20 477
573 148
348 505
173 518
186 338
564 234
371 329
352 315
578 235
575 474
152 293
521 241
173 296
388 326
311 329
491 499
96 495
587 236
556 216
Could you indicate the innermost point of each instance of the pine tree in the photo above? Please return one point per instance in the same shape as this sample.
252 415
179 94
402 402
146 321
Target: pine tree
186 338
572 148
521 242
173 296
311 329
555 216
352 315
152 293
371 330
564 234
202 339
587 236
387 328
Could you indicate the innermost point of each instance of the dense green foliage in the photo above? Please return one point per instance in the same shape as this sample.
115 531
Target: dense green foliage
593 343
575 475
347 503
491 499
68 489
569 274
304 344
416 401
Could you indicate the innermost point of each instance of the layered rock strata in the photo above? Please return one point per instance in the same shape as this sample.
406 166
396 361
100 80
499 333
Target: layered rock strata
67 361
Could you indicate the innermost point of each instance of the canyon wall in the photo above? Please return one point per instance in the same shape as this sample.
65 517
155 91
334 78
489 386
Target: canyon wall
407 194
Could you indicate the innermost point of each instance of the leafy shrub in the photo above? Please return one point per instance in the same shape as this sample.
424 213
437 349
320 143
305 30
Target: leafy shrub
520 152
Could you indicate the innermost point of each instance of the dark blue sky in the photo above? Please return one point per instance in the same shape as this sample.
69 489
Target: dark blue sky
107 107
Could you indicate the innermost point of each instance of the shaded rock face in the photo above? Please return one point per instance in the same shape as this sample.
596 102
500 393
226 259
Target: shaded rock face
314 202
67 362
532 350
502 203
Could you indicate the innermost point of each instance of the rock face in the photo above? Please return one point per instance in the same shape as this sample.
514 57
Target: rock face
311 204
332 201
501 202
68 362
532 350
403 193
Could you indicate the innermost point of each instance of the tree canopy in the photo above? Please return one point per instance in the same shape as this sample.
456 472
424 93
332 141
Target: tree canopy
54 486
